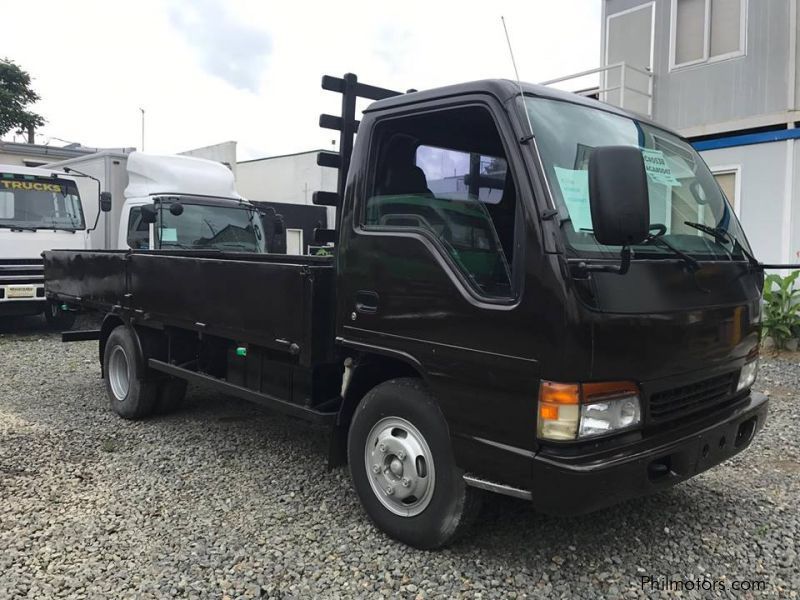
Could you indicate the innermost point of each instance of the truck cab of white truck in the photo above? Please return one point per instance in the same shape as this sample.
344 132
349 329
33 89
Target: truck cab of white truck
40 209
185 202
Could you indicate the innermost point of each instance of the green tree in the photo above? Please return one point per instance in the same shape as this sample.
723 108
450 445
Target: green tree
15 96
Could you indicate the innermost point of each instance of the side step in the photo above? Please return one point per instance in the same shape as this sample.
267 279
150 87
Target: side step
82 335
271 402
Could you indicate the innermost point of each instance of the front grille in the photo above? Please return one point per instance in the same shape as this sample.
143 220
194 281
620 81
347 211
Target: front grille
21 270
693 398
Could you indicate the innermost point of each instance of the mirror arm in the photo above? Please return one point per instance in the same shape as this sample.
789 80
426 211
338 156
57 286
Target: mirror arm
621 269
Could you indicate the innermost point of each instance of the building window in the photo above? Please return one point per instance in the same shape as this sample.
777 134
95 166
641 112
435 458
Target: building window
728 180
707 30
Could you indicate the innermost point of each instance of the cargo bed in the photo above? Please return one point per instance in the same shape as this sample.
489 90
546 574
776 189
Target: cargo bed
278 302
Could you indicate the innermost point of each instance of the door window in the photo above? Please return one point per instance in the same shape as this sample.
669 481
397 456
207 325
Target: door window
445 175
138 230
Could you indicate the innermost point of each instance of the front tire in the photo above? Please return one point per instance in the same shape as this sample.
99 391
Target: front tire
403 469
131 395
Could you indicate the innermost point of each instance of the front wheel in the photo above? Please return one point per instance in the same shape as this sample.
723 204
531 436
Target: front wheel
403 468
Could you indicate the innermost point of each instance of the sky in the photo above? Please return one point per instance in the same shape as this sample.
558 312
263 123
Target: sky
209 71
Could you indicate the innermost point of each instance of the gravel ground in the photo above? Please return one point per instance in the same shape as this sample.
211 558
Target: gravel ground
225 500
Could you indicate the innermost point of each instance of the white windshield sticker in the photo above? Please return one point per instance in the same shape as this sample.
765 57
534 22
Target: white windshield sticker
169 234
657 168
574 186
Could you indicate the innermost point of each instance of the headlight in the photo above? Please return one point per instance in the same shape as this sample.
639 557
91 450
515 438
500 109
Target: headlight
570 411
599 418
747 376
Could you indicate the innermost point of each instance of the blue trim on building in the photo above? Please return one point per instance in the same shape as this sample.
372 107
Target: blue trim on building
747 139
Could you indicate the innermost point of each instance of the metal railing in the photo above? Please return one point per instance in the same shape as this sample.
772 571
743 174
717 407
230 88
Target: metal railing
620 84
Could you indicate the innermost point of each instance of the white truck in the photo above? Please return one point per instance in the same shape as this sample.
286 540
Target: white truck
40 209
162 202
147 202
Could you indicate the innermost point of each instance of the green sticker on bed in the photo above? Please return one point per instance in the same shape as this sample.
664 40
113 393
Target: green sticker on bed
658 170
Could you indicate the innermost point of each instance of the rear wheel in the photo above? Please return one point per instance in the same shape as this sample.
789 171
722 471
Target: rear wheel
131 395
58 318
403 469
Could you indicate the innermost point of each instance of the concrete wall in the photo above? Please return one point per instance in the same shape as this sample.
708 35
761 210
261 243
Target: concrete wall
291 178
15 159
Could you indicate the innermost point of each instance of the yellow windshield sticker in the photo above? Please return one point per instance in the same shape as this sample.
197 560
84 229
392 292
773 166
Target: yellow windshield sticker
657 168
36 186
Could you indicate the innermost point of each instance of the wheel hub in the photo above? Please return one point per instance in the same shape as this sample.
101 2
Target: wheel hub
399 464
119 373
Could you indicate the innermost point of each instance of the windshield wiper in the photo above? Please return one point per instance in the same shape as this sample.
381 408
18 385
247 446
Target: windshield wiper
17 227
724 236
690 262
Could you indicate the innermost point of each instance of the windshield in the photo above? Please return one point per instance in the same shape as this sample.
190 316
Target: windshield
204 226
681 188
29 202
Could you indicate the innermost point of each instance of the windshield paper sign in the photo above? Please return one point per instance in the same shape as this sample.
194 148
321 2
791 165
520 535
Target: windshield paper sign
36 186
574 186
657 168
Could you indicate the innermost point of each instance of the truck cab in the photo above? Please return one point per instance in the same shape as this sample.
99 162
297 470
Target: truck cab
39 210
572 367
185 202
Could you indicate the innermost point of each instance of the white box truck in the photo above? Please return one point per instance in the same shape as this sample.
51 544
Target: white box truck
40 209
108 170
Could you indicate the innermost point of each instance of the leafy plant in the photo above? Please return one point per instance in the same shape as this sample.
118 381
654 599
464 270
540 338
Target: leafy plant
781 308
16 94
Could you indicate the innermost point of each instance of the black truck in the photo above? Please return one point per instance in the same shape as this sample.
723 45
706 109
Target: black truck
529 292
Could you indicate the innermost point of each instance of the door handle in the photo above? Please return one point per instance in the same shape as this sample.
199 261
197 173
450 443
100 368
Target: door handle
367 301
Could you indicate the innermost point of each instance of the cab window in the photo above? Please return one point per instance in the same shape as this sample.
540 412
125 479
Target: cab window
138 230
445 175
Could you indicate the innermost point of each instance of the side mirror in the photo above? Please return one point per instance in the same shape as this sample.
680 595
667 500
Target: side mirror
149 213
176 209
618 196
105 201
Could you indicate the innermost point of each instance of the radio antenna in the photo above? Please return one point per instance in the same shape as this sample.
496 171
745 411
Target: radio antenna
529 137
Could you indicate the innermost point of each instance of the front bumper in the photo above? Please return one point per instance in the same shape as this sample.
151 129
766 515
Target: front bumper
21 286
21 308
574 484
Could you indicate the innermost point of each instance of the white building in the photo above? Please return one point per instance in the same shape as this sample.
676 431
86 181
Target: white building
290 179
